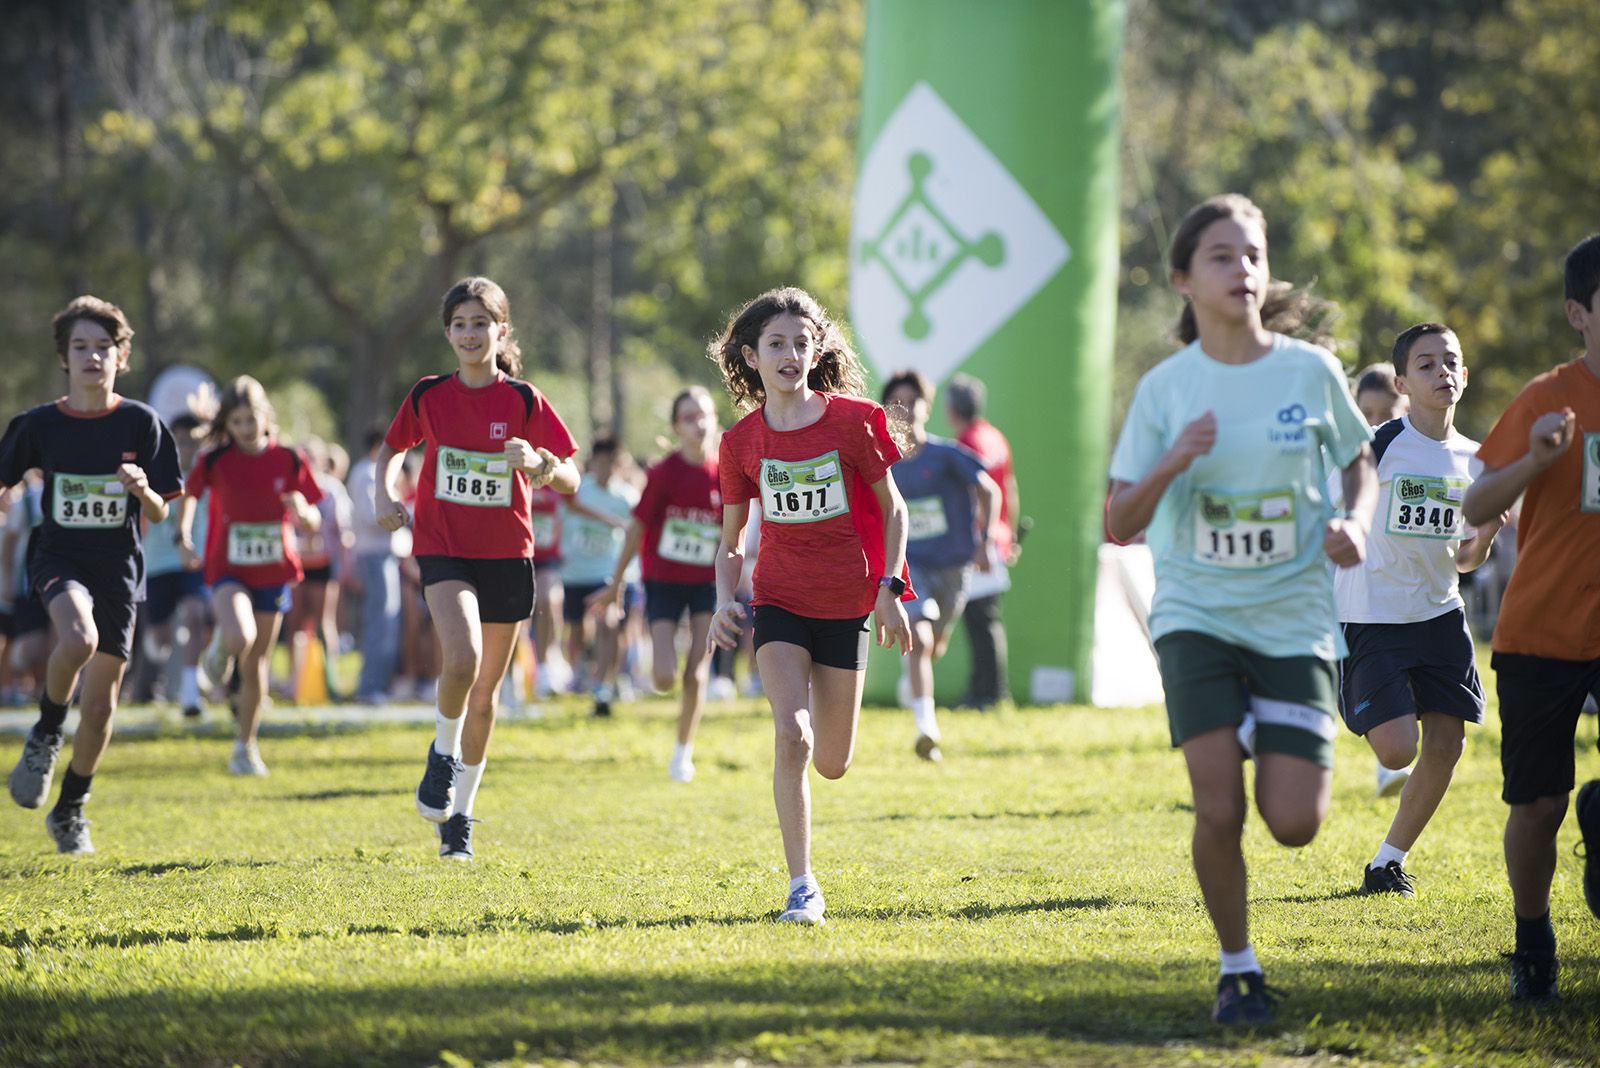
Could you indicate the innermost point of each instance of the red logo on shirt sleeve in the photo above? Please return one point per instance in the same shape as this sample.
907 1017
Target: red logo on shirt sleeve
497 431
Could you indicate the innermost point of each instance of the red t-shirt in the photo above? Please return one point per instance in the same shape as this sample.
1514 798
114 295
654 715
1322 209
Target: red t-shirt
470 504
247 533
681 510
821 530
985 439
546 520
1552 606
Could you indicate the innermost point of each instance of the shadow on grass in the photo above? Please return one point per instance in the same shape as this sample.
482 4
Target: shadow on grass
896 817
165 867
788 1011
344 793
1325 895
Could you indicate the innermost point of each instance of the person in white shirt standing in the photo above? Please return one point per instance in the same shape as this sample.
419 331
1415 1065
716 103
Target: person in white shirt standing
1410 683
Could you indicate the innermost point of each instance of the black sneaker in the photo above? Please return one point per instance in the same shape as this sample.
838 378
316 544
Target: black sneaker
1588 809
1389 879
602 708
30 779
437 790
1533 978
191 712
455 837
1245 1000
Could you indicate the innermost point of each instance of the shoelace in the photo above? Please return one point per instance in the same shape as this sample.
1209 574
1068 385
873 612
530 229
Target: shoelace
1401 876
457 830
40 756
439 772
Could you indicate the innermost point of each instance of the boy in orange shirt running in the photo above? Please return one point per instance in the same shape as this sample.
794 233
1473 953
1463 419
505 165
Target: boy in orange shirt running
1547 640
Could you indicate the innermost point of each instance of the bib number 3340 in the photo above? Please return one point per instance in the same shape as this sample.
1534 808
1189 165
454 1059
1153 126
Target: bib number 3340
1244 531
803 491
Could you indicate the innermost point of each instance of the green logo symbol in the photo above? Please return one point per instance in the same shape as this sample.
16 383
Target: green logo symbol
920 248
1217 510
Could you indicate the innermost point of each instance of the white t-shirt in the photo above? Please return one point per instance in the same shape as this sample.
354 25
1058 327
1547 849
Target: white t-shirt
1409 575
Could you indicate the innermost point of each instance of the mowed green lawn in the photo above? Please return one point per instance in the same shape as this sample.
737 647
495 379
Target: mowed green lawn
1029 900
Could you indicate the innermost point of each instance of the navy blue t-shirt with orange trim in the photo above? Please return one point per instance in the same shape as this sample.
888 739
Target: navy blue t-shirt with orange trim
88 514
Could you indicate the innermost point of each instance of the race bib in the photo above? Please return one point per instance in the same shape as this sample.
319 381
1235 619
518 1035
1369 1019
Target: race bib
85 502
1244 531
1591 472
544 529
803 491
1426 506
254 544
479 479
591 538
684 541
926 519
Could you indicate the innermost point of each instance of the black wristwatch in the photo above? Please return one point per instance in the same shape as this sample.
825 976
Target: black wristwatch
896 585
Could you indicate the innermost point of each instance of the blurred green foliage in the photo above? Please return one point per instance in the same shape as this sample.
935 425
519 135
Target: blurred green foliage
288 188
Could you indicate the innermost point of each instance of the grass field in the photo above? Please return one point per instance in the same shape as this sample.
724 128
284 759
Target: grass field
1030 900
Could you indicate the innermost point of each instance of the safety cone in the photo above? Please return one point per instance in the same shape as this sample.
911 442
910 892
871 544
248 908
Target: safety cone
311 681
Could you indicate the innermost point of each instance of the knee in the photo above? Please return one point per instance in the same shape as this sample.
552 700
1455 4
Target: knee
832 767
77 641
1392 753
238 643
1543 814
792 739
459 665
1444 747
697 671
662 678
1219 819
1294 830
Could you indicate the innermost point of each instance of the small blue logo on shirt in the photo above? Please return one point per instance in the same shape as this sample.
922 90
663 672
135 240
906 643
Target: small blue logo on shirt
1295 414
1290 434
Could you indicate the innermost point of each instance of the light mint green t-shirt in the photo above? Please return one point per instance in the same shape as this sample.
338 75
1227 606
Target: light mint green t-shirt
1237 539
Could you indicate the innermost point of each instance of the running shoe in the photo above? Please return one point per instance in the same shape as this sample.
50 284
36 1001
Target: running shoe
928 749
246 760
805 906
1588 810
70 829
1533 977
1390 783
1389 879
1245 1000
603 696
30 779
455 837
191 711
681 768
437 790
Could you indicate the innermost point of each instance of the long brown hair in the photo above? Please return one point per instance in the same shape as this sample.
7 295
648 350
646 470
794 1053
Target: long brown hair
508 357
837 368
242 392
1284 309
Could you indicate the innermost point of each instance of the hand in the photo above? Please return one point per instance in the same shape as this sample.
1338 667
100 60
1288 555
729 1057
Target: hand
1196 440
890 622
1345 542
189 557
133 478
981 560
1551 435
606 602
727 623
523 457
390 513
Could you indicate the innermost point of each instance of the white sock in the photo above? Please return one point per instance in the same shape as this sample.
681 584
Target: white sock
1386 853
189 687
1240 963
683 751
922 712
808 879
447 734
467 788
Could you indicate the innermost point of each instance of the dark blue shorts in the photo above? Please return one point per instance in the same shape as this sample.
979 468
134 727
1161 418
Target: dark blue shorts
262 599
670 600
164 592
1404 669
108 587
838 643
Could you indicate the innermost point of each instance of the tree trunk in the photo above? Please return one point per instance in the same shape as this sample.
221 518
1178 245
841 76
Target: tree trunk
602 413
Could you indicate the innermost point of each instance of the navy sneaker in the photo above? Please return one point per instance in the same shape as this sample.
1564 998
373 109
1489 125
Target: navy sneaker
437 790
1588 809
30 779
1533 977
1389 879
1245 1000
455 837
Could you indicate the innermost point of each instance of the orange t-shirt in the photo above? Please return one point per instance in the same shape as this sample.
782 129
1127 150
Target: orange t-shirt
1552 606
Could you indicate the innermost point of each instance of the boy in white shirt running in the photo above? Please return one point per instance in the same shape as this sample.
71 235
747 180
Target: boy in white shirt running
1410 671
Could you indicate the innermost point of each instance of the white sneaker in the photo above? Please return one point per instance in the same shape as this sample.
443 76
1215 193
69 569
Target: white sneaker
721 688
246 760
681 767
212 671
1390 783
805 906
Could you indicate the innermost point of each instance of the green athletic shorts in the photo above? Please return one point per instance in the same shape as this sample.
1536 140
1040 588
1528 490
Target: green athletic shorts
1211 683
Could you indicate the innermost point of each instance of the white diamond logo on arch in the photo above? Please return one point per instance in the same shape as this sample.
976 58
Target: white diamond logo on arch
945 245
